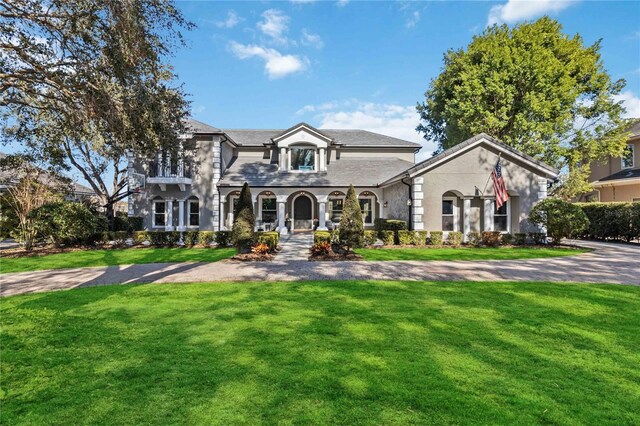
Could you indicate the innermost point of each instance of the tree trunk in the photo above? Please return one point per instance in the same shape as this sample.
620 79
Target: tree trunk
109 213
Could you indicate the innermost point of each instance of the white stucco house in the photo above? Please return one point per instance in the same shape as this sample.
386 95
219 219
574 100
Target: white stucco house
299 178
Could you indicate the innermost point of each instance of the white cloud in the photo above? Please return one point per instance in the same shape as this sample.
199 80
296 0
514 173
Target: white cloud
276 65
518 10
631 102
310 39
275 24
413 19
231 21
388 119
342 3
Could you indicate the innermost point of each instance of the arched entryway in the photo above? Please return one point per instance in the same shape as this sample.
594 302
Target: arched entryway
302 212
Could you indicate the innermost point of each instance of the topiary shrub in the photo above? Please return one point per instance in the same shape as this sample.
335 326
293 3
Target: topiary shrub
270 238
321 237
560 218
519 238
435 238
64 222
406 238
507 239
491 238
223 238
388 237
421 237
474 239
370 237
454 239
351 226
243 231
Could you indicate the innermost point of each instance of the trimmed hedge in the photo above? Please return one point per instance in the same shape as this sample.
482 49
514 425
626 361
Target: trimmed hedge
321 237
406 238
491 238
270 238
454 238
420 238
616 221
223 238
393 225
475 239
370 237
520 238
436 238
205 238
129 224
388 238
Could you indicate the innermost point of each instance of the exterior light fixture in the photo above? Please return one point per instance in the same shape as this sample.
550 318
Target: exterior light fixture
409 202
386 204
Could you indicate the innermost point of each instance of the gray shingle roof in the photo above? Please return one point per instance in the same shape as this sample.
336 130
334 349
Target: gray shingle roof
346 137
343 172
622 174
196 126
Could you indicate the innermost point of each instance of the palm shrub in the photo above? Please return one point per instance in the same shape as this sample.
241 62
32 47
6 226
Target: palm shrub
560 218
351 225
243 231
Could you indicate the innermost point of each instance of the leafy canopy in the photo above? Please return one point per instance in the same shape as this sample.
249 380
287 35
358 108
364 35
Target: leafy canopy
534 88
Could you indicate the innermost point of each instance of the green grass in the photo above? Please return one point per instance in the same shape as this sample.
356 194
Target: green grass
79 259
377 353
464 253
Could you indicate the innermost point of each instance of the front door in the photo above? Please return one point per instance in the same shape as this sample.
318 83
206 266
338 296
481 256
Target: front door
302 217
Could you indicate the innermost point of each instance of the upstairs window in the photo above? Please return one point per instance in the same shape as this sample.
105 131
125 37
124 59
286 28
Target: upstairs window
303 159
627 157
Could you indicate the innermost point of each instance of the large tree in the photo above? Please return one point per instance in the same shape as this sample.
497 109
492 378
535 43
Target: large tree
85 81
536 89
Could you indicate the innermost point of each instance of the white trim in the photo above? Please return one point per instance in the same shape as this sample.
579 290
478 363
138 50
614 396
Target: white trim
373 209
616 182
268 197
303 146
456 213
293 209
297 129
622 166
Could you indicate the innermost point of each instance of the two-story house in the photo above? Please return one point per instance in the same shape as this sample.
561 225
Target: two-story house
618 178
299 178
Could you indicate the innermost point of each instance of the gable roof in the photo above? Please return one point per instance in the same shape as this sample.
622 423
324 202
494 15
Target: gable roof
619 176
469 144
298 126
200 128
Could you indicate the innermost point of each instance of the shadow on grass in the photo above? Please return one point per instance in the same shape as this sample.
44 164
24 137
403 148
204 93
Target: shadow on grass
318 352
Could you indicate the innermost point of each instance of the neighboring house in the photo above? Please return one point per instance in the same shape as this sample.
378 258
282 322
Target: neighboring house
618 178
299 178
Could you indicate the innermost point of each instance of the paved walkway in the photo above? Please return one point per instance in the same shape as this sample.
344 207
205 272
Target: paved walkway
295 246
609 263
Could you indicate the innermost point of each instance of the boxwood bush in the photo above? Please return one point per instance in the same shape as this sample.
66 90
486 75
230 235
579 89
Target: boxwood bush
474 239
491 238
454 238
270 238
435 238
370 237
388 237
406 237
321 237
420 238
519 238
223 238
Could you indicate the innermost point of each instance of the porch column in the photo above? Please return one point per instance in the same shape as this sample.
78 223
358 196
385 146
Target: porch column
181 215
282 204
223 203
466 213
322 209
323 161
542 194
169 225
488 214
283 159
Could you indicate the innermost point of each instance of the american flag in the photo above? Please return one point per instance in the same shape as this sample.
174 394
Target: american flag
499 188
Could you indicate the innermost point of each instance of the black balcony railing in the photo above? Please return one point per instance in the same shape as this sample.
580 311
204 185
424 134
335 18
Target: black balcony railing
174 168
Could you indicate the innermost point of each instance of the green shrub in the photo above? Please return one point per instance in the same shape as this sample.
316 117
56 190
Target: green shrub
223 238
120 237
141 236
173 238
64 222
420 238
520 238
122 222
321 236
190 238
538 237
474 239
242 233
617 221
270 238
435 238
335 236
491 238
406 238
205 238
351 227
454 238
388 237
370 237
559 218
390 225
321 248
158 238
507 239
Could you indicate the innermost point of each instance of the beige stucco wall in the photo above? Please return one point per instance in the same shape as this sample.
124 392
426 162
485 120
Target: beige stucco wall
621 193
611 165
467 175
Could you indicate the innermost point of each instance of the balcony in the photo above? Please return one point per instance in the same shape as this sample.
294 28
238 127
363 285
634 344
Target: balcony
175 172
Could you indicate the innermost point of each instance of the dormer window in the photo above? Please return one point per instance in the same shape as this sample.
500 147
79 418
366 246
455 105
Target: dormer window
302 158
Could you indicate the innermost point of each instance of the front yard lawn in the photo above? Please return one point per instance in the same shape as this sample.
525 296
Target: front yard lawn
465 253
82 258
349 352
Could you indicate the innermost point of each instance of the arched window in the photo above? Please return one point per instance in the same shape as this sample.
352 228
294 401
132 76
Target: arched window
193 212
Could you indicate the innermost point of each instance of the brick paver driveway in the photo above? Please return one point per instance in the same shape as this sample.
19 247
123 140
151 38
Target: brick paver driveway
608 263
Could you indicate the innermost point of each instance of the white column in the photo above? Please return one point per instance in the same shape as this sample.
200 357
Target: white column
488 214
466 218
282 204
283 159
323 161
542 194
223 208
322 212
169 226
181 215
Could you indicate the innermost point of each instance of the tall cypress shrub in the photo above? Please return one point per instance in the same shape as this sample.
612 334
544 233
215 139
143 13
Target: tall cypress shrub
351 225
242 233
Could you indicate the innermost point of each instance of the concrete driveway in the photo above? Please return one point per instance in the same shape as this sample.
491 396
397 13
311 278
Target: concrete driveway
608 263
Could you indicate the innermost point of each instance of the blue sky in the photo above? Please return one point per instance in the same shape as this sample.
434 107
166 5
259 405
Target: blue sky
346 64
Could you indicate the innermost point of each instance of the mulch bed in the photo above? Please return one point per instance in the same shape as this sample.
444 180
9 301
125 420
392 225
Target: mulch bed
251 257
336 257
